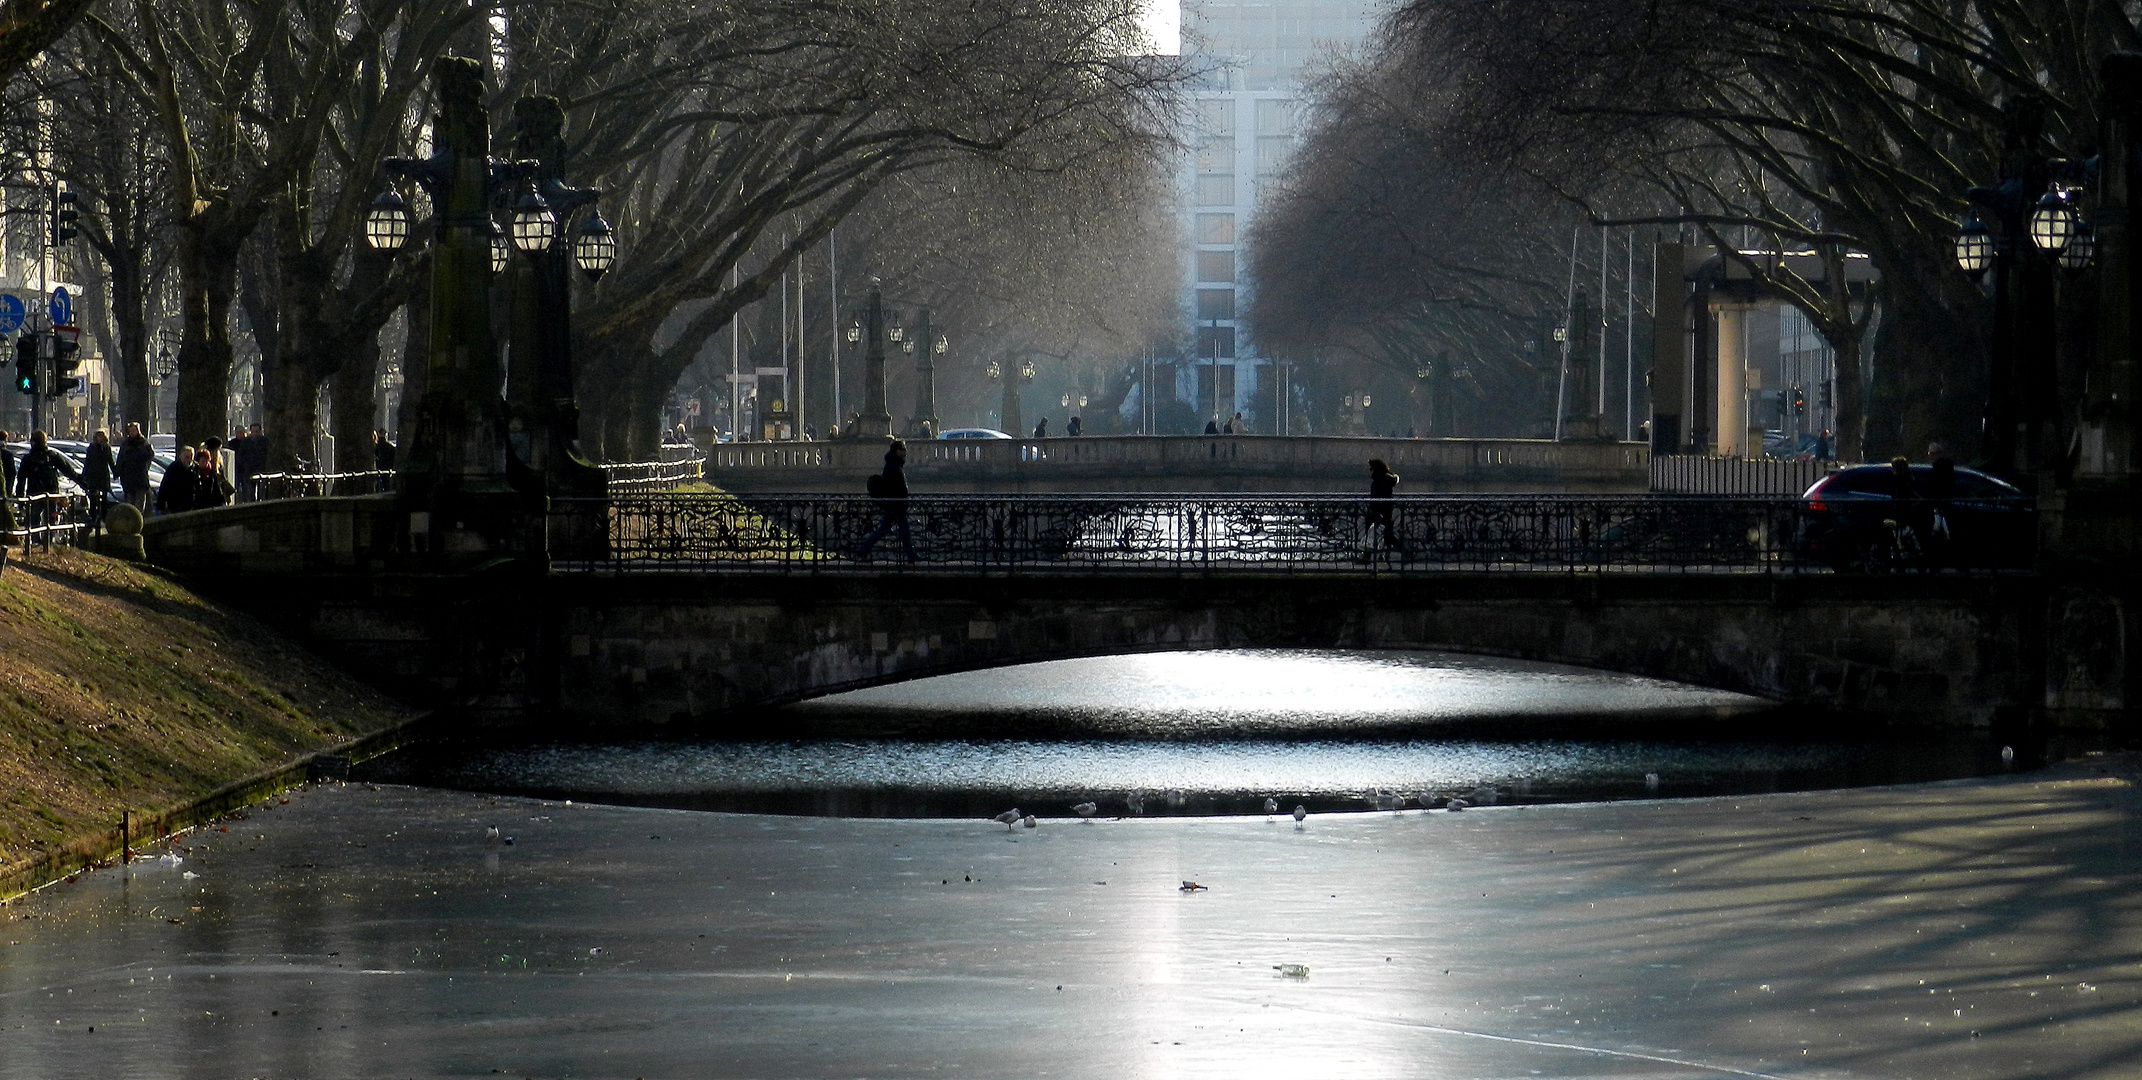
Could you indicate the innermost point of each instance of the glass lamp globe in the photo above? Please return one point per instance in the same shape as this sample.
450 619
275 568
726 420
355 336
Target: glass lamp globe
1974 246
941 345
1364 401
907 346
500 250
1066 402
534 226
2082 248
1026 369
994 371
855 333
386 224
897 333
595 249
2052 224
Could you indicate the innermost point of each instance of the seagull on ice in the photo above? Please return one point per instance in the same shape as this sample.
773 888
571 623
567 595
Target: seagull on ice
1085 809
1454 805
1135 803
1009 818
1271 806
1192 886
1301 813
1027 821
492 838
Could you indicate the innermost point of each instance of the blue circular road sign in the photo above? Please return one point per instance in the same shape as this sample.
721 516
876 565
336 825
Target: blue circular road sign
11 312
62 310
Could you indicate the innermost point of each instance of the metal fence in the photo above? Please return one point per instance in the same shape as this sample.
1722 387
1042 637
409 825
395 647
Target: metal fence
1200 534
302 485
1687 474
49 519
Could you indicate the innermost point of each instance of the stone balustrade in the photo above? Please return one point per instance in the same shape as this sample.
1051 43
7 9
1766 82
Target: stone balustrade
1169 463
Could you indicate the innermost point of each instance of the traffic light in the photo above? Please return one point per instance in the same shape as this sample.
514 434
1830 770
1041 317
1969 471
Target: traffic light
26 364
64 215
1826 396
1799 400
66 342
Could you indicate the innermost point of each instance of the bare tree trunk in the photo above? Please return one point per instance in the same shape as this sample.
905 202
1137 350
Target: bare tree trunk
355 391
416 361
208 285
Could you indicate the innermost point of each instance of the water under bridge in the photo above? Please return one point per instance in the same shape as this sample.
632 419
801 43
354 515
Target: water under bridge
700 605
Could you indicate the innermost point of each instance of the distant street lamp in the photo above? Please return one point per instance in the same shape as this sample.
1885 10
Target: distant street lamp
1008 410
924 422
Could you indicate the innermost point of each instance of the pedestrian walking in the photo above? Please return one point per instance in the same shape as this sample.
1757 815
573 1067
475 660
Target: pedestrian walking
1074 428
1383 504
889 490
1212 426
383 459
8 483
39 472
175 494
1041 430
250 454
132 465
98 466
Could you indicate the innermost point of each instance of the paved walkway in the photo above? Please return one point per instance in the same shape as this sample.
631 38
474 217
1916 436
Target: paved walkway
1954 931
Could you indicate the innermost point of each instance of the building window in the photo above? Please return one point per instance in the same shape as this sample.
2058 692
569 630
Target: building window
1216 116
1216 341
1216 303
1215 191
1275 116
1215 228
1272 153
1216 266
1216 156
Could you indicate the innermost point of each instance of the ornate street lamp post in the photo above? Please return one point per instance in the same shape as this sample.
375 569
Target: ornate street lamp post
2022 229
924 422
875 421
1011 376
479 470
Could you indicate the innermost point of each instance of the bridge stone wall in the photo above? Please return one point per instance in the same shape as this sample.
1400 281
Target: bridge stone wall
601 652
1185 463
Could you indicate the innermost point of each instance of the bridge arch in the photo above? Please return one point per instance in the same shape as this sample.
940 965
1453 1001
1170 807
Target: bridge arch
664 649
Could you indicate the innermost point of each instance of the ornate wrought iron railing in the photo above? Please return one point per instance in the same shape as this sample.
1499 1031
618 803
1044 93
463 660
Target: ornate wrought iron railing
1206 534
639 476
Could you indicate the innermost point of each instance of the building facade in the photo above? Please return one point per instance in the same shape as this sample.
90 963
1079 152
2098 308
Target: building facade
1247 121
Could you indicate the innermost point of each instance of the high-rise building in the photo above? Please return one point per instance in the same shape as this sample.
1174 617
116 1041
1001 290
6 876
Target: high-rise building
1248 113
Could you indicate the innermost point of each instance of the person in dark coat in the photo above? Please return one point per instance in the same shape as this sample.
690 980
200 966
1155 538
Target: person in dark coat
135 457
7 466
249 454
1383 487
175 494
98 465
889 489
210 486
39 473
383 459
1041 430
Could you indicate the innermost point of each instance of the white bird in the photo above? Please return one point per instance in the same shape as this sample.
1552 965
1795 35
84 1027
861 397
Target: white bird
1192 886
1008 819
1389 802
1651 781
1300 812
2008 755
1271 806
1085 809
1456 804
1135 803
1027 821
492 837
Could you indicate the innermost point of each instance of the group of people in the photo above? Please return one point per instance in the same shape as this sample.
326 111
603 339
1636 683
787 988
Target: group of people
199 478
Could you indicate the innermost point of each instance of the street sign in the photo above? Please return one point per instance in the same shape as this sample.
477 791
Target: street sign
691 408
62 307
11 312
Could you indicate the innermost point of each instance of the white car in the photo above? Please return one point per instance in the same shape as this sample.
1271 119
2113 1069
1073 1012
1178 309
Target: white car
972 433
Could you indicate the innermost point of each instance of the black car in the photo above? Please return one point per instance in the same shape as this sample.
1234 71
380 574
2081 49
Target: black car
1858 519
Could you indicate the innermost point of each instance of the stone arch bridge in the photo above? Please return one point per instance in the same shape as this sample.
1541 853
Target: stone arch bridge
628 644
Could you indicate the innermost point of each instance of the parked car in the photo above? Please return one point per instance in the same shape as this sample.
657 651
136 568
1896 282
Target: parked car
972 433
1856 520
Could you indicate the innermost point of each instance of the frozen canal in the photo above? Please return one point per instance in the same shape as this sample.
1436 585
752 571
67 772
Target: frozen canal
1982 928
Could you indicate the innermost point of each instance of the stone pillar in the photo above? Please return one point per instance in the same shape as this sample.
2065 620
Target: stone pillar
1008 410
1669 348
1583 422
875 422
1732 425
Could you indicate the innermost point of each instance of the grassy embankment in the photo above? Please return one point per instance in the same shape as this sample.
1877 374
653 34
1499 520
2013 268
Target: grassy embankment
122 691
